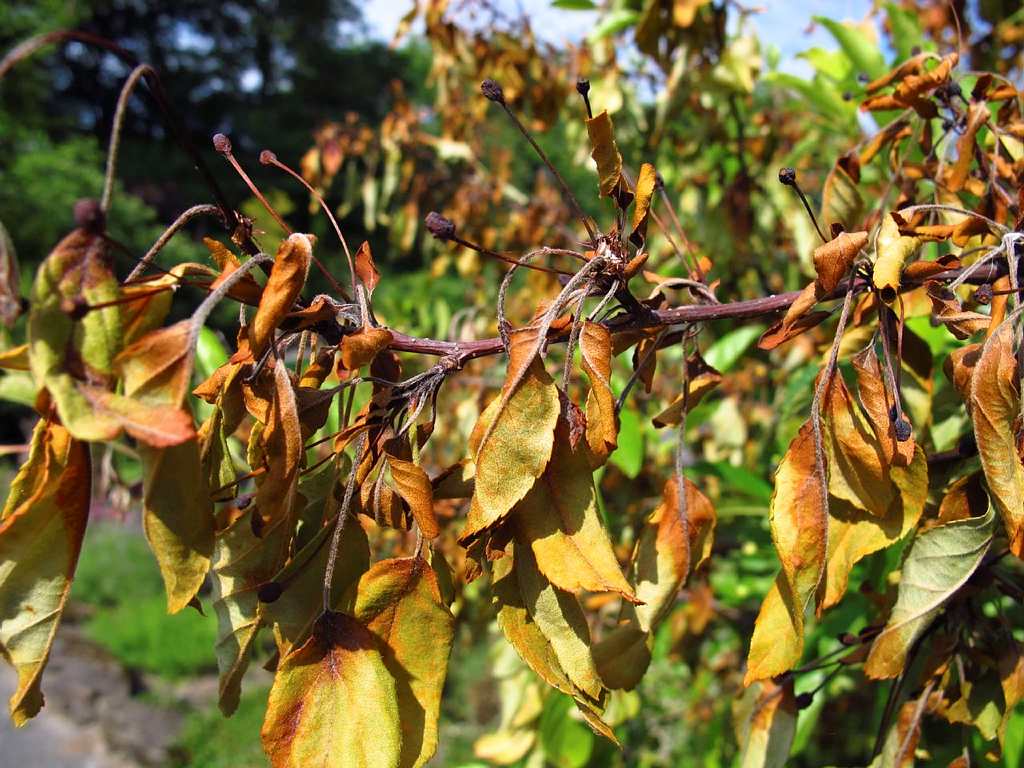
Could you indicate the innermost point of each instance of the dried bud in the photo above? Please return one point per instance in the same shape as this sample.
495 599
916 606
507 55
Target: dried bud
222 143
88 215
893 413
267 157
902 430
440 227
803 700
269 592
582 86
983 295
787 176
491 90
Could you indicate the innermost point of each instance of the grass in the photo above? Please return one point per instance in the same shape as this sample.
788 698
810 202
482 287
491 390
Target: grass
211 741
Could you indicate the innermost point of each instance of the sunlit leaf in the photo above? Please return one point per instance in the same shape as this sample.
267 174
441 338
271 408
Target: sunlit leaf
602 421
288 275
400 603
605 153
995 410
333 703
766 724
939 562
41 530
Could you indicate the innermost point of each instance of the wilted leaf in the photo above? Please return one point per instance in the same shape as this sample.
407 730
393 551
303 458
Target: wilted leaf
64 353
414 487
602 421
940 561
766 724
177 517
513 438
242 562
400 603
41 530
892 250
605 153
560 619
841 202
871 388
360 348
366 269
995 410
853 534
623 655
560 520
833 259
645 184
701 379
946 309
799 529
673 543
283 451
333 703
288 275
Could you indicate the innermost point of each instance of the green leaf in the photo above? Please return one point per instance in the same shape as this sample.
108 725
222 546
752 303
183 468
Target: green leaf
574 5
210 353
855 44
629 455
940 561
613 23
726 351
567 742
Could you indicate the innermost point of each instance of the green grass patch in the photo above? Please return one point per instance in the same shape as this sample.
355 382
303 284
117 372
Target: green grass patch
209 740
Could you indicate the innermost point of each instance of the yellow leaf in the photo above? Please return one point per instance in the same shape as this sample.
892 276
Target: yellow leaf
41 530
560 520
995 410
177 517
414 487
513 438
399 601
605 153
672 544
602 421
891 252
288 275
766 724
333 703
645 184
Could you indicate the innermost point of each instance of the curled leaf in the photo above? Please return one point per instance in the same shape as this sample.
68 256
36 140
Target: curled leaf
833 259
995 410
288 275
892 250
605 153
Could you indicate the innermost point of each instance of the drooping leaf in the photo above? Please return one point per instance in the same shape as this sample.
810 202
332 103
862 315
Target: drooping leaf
560 520
853 533
892 251
605 153
513 438
995 410
283 451
399 601
560 619
766 724
413 485
799 529
41 530
177 517
333 703
360 348
841 201
871 388
940 561
701 379
673 543
645 184
832 261
366 269
602 421
288 275
977 114
242 562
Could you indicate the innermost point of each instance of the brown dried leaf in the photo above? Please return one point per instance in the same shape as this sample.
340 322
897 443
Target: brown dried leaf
288 275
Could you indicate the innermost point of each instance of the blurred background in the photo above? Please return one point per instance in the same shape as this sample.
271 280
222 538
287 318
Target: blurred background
376 105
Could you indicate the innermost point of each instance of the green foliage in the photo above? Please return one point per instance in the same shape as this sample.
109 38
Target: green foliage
210 741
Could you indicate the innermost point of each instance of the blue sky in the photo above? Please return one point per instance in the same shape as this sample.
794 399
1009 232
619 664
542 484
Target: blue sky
782 24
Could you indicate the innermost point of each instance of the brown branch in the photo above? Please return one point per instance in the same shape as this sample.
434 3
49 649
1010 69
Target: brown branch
689 313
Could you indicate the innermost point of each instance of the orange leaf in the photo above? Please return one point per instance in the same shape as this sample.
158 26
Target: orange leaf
288 275
602 421
366 270
414 487
359 348
871 387
995 410
833 260
605 154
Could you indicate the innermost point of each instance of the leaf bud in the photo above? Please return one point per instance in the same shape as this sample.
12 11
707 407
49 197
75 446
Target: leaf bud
492 91
439 226
787 176
803 700
582 86
88 215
